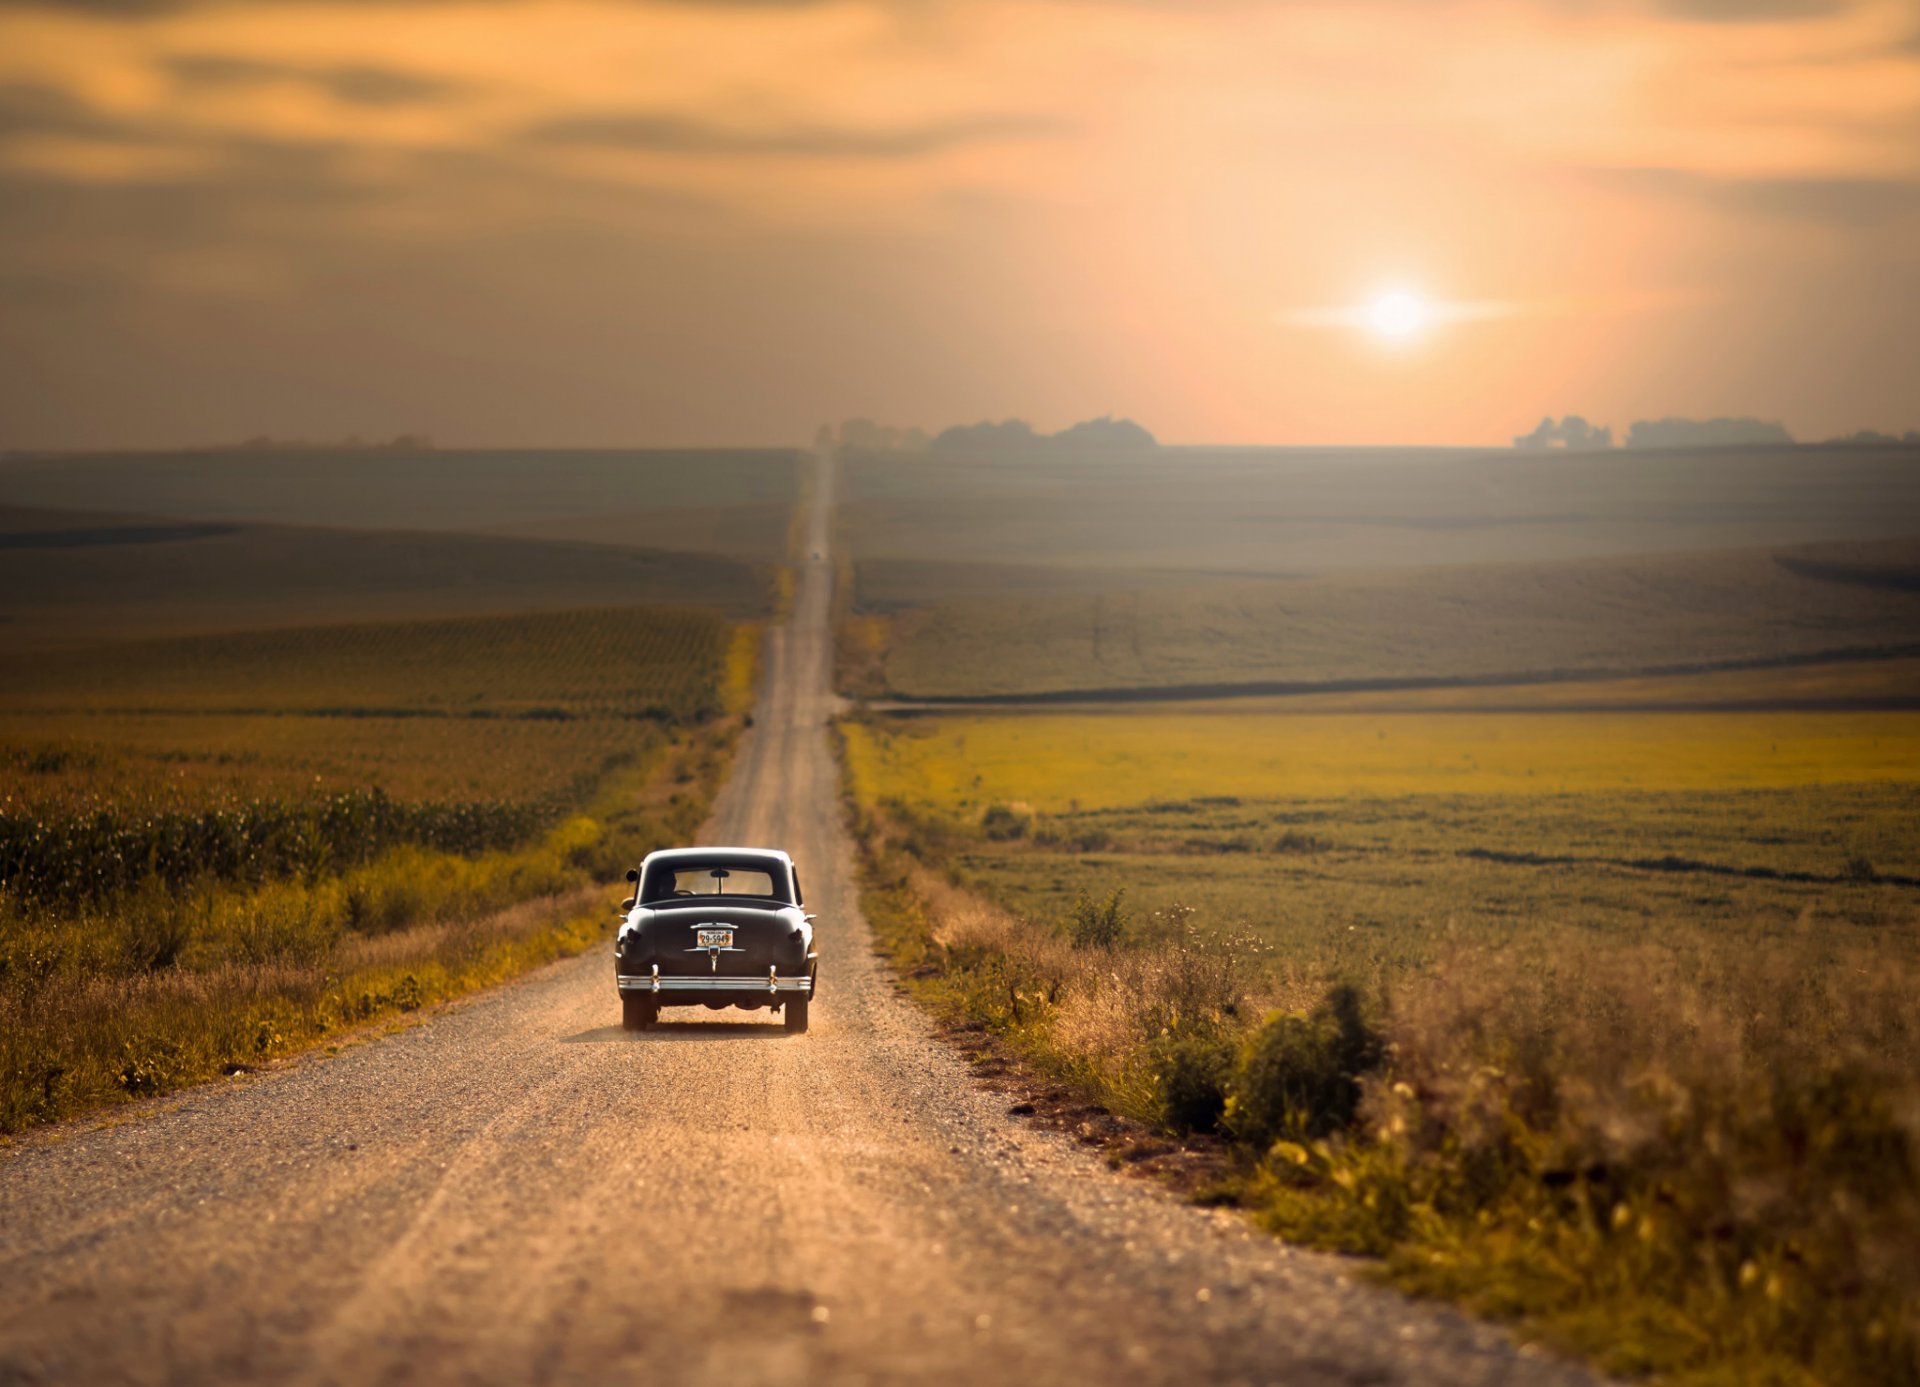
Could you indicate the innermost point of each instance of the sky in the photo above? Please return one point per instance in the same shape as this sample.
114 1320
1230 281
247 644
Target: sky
619 222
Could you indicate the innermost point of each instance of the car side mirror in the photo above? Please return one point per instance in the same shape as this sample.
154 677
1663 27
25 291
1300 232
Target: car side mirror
629 902
633 874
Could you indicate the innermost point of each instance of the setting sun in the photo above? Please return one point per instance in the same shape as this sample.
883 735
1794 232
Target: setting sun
1398 314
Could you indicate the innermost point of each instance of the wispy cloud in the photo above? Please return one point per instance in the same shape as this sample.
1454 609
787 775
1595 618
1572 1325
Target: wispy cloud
1840 203
362 84
675 134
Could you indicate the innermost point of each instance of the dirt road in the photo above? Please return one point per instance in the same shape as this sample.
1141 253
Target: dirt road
518 1192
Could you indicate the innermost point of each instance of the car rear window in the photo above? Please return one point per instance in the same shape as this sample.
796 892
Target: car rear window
711 879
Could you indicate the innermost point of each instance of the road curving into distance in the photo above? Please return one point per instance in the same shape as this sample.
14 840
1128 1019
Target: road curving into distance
516 1191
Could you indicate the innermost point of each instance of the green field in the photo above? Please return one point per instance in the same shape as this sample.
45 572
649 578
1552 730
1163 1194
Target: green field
480 708
1594 1017
1482 623
80 577
1337 836
610 661
215 849
713 501
1287 511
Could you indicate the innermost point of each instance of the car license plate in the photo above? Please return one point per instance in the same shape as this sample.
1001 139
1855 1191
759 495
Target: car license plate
715 939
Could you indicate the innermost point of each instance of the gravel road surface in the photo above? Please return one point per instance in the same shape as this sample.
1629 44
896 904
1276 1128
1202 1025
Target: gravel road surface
516 1191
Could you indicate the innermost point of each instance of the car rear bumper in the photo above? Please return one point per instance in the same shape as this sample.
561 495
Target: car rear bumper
705 984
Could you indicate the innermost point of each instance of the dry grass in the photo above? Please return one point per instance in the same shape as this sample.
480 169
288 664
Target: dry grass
1700 1161
1696 1161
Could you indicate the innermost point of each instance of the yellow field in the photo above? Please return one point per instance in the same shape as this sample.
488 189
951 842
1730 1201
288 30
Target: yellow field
1058 762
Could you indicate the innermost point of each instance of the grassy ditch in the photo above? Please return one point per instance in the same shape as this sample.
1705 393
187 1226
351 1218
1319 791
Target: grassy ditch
1678 1155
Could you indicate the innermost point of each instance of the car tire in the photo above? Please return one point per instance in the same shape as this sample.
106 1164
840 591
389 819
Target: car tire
638 1013
795 1015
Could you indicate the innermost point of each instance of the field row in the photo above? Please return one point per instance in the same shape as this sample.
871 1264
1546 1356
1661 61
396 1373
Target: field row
1486 623
655 662
1359 845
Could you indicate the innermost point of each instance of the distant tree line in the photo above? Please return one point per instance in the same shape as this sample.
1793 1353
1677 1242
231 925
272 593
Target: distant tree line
1016 435
868 437
352 443
1575 434
1107 434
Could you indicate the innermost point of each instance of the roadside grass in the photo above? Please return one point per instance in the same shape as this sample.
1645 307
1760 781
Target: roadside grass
159 929
1631 1063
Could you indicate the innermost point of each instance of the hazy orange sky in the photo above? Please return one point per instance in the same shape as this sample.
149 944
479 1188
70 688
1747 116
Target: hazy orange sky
619 222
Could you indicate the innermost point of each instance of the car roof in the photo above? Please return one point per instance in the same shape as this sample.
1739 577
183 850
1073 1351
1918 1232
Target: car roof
770 856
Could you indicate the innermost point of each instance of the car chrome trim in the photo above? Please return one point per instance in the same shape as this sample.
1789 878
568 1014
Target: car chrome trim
655 983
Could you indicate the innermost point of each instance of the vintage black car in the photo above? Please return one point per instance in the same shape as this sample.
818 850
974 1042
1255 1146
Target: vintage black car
715 927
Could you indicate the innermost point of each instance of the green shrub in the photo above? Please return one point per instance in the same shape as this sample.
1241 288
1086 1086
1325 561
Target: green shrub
154 931
1003 823
1191 1074
1097 924
152 1065
1299 1076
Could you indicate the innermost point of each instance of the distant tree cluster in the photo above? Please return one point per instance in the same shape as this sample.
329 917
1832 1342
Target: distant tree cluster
869 437
1106 434
1871 438
1572 433
1575 434
1705 433
1013 435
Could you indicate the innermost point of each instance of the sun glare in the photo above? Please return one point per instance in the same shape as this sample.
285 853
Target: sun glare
1398 314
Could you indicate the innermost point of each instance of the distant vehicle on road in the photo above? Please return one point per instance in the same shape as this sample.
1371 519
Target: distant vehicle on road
715 927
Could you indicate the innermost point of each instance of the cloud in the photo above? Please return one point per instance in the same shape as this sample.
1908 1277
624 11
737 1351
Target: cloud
1720 11
110 9
356 84
33 108
1743 11
669 134
154 9
1847 203
1852 202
